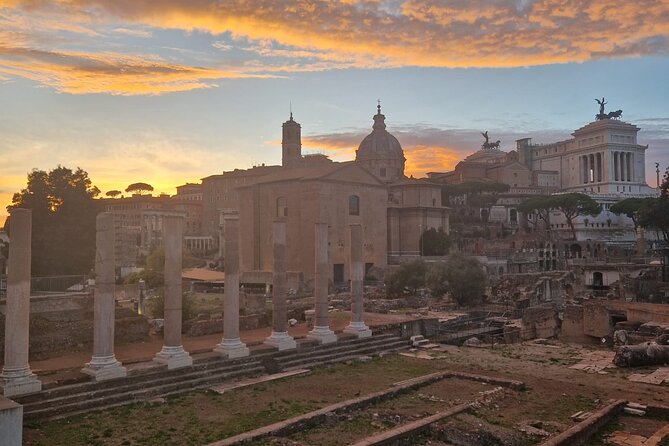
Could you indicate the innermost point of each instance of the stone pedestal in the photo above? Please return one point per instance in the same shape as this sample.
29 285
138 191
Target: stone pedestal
321 331
16 377
11 422
357 273
173 353
280 337
103 364
231 345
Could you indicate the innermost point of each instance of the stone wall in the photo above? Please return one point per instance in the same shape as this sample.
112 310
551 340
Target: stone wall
541 322
61 323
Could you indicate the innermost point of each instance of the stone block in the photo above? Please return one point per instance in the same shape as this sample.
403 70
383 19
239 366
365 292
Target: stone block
11 422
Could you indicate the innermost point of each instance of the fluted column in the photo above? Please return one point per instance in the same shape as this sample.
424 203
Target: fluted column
231 345
103 364
279 337
357 273
16 377
321 330
173 353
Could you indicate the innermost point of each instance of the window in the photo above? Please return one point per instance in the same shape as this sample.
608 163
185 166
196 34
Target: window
353 205
382 172
281 207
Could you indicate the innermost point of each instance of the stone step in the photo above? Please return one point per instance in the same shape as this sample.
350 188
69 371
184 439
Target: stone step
128 397
338 347
208 368
131 385
305 361
136 376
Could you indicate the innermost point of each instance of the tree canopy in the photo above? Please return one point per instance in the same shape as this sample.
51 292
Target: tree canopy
654 214
571 205
409 276
462 276
63 220
575 204
434 242
139 188
629 207
113 193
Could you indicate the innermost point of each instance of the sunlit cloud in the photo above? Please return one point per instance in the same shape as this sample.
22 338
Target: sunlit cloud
79 72
263 37
456 33
133 32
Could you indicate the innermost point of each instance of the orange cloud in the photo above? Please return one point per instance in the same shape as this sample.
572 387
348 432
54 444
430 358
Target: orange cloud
457 33
79 72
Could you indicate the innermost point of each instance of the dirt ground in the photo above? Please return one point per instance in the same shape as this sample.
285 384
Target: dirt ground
554 393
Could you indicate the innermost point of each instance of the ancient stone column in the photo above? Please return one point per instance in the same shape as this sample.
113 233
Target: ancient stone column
231 345
321 331
16 377
357 273
279 337
103 364
173 353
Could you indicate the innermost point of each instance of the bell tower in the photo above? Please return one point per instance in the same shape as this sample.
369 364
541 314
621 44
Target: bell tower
291 143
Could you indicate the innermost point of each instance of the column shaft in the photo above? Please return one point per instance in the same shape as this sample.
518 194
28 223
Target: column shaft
231 345
173 353
17 378
279 337
321 329
357 273
103 364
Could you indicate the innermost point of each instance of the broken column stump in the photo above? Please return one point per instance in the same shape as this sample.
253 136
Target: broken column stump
641 355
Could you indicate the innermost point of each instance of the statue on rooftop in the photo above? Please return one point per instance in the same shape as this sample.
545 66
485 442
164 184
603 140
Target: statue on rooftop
487 144
601 115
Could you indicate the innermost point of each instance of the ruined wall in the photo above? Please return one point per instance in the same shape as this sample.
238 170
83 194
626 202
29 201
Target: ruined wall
64 322
596 319
541 322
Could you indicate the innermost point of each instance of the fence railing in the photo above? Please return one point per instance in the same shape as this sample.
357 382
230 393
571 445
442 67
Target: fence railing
58 284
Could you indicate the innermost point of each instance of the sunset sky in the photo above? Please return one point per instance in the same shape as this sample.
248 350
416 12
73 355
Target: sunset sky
168 92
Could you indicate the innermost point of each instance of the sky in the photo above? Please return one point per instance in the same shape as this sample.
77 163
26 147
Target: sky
169 92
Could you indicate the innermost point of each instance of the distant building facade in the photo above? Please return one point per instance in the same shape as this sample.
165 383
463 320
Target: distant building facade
602 160
307 189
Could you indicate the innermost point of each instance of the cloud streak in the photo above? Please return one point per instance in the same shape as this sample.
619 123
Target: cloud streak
113 73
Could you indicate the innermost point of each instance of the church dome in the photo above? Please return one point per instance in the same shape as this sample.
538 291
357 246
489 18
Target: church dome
379 144
380 152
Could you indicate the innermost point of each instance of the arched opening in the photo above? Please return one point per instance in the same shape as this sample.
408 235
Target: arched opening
597 279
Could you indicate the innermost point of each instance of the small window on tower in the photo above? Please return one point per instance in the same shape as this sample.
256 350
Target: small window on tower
382 172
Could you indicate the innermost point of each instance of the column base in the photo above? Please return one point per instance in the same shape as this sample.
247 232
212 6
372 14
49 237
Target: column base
323 335
104 368
14 385
173 357
359 329
232 348
281 340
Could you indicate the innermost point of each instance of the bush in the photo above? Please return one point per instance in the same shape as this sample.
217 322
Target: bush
156 306
409 276
462 276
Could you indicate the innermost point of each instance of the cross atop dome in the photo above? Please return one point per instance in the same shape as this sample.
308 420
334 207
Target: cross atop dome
379 119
